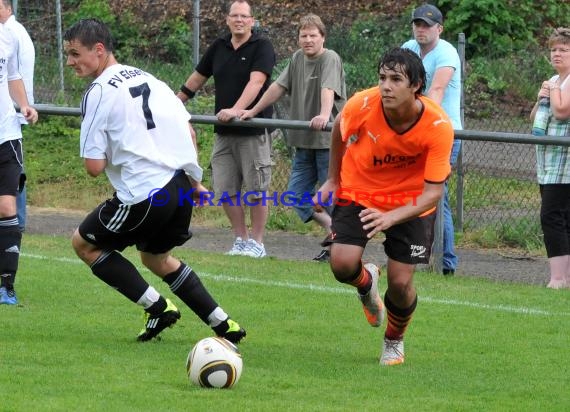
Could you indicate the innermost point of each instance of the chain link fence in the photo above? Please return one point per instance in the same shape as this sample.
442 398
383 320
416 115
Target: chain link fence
499 196
494 188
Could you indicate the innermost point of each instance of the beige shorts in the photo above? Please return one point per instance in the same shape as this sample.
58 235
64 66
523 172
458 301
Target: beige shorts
241 162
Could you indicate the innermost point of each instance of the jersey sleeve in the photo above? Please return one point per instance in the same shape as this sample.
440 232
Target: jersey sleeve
13 72
449 58
93 140
356 110
333 74
206 64
347 123
285 78
11 52
438 165
264 59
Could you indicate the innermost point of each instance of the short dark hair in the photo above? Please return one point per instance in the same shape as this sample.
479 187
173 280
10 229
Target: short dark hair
407 62
90 32
231 3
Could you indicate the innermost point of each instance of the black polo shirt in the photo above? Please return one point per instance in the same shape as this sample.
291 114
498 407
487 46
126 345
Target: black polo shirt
231 70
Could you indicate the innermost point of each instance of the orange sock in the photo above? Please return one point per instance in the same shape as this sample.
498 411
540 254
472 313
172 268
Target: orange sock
398 319
362 281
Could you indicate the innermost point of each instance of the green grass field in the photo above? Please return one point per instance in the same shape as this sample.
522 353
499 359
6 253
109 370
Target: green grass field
474 345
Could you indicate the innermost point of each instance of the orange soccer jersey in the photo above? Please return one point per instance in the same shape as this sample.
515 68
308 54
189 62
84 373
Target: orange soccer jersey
384 169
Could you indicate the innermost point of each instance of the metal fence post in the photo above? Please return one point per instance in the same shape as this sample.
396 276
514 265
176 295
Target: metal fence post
196 32
436 265
59 45
459 165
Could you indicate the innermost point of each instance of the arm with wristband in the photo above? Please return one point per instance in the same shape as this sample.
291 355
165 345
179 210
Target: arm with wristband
191 86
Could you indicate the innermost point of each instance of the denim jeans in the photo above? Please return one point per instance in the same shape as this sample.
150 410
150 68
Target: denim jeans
449 256
455 149
310 166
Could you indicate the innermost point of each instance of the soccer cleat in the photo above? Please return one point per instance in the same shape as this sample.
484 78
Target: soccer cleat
238 247
328 240
153 325
8 296
230 330
392 352
324 256
254 249
371 302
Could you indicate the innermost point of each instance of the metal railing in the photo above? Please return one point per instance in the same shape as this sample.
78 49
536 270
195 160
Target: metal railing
466 135
478 135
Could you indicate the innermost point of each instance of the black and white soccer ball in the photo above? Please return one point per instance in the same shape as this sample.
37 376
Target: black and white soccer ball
214 363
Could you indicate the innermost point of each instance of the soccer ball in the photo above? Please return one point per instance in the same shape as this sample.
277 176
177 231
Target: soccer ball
214 363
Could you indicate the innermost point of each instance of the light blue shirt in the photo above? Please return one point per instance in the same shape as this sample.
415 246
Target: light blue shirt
443 55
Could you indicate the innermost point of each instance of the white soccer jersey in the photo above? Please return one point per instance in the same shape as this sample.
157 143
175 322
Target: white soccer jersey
9 123
26 55
136 122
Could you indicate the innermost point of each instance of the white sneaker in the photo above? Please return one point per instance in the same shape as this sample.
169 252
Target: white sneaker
392 352
238 247
371 302
254 249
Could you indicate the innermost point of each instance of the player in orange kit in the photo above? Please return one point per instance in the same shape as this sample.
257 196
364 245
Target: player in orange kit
389 161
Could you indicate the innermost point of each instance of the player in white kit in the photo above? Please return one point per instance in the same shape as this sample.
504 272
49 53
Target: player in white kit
137 131
11 161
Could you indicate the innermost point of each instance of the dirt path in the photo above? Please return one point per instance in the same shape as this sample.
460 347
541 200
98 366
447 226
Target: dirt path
511 266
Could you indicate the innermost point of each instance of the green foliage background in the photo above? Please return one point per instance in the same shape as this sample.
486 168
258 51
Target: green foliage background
503 25
504 38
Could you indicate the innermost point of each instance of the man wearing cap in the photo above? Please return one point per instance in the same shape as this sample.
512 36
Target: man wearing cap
443 69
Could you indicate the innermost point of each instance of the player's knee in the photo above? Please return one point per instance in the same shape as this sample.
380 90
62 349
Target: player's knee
149 261
400 288
342 269
156 263
76 241
83 249
7 206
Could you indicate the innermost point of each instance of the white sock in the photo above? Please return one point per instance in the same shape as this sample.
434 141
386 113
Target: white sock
149 297
217 316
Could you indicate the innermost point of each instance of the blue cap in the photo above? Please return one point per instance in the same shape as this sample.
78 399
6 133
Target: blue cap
428 13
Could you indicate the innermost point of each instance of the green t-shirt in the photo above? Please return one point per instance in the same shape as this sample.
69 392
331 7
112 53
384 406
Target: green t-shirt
303 78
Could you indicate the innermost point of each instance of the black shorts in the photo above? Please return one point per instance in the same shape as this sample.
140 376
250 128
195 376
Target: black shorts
11 167
155 229
409 242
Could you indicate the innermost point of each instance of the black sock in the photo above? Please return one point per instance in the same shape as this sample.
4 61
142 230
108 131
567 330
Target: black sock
398 318
222 328
116 271
186 284
10 242
157 307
